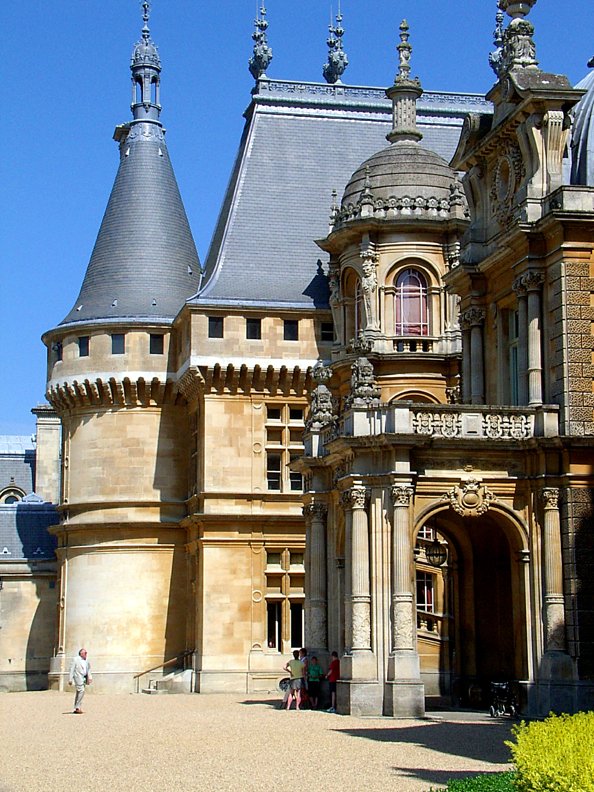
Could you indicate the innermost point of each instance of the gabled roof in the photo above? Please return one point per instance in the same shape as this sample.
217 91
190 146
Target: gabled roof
300 142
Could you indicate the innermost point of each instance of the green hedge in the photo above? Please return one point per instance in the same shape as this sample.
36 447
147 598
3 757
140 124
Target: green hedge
555 755
487 782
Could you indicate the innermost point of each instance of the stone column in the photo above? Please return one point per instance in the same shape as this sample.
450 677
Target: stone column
520 290
553 569
406 693
317 632
533 282
465 362
402 595
474 318
360 586
348 555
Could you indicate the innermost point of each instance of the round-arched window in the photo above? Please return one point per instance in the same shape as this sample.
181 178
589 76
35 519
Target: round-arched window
411 308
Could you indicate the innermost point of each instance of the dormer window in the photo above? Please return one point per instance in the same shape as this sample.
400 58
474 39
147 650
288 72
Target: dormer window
411 308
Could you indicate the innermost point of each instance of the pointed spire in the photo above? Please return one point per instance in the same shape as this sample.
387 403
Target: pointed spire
519 50
337 62
146 74
262 56
496 56
404 94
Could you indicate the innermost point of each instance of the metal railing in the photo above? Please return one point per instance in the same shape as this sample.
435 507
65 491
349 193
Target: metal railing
167 663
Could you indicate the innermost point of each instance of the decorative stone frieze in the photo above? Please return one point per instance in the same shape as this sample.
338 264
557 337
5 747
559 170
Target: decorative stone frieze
127 392
471 498
435 424
506 427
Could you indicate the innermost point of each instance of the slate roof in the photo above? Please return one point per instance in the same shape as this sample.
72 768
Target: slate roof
301 141
144 264
582 134
23 531
17 462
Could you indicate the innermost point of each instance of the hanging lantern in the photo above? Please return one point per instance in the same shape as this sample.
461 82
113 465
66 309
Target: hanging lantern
436 553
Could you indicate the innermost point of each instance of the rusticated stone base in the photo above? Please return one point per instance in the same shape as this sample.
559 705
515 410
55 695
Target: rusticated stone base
405 699
359 698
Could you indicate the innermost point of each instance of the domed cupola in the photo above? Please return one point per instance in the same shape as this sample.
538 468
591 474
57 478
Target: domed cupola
403 180
582 134
144 265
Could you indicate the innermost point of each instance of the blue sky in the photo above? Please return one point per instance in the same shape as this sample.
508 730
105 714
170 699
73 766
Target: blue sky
66 84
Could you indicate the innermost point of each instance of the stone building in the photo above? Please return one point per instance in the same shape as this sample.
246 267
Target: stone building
450 535
202 530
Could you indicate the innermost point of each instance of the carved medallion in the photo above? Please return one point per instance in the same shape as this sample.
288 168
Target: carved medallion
471 498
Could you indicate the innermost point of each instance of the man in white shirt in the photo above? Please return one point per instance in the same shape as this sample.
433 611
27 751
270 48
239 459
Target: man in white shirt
80 675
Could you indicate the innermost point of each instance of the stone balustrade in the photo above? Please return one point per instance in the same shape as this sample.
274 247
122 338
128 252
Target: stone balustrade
439 421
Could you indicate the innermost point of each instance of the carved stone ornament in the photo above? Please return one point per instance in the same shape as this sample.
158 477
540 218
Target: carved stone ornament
315 509
550 496
356 497
364 391
507 176
401 495
361 345
472 317
470 499
322 409
321 373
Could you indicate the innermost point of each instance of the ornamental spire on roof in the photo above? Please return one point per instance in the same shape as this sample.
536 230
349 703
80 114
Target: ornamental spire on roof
337 61
146 74
404 94
262 56
496 56
519 50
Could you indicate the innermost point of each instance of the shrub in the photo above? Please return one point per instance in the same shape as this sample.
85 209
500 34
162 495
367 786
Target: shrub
486 782
555 755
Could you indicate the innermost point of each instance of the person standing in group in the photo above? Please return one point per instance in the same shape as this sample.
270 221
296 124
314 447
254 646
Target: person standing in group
332 676
314 677
304 659
80 675
295 668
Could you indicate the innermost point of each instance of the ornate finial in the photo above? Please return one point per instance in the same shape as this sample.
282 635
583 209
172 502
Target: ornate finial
146 7
337 58
404 94
496 56
262 56
519 51
146 68
334 209
404 53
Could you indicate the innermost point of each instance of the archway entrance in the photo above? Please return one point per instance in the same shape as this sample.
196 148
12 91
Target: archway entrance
471 612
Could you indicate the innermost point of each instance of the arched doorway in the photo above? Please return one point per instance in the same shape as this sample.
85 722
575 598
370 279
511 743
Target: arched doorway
472 610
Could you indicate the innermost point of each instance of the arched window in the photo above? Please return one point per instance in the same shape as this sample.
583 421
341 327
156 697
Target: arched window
411 310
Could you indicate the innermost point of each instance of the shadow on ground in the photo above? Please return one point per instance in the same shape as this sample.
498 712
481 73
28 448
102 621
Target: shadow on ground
481 741
271 703
441 777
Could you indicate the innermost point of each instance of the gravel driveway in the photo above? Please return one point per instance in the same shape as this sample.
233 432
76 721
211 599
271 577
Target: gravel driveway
230 742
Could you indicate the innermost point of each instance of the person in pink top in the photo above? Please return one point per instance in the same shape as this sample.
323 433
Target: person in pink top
332 676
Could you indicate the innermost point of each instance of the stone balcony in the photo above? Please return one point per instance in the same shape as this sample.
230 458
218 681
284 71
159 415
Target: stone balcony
437 421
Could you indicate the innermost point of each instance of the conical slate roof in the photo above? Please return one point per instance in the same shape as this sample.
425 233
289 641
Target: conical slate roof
144 263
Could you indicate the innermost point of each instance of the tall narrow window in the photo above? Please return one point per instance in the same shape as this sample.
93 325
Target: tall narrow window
296 625
118 344
253 329
215 326
425 598
273 471
83 346
326 331
291 330
411 310
284 444
274 616
156 344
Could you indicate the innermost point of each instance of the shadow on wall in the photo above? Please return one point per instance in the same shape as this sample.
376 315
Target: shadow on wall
580 509
33 517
